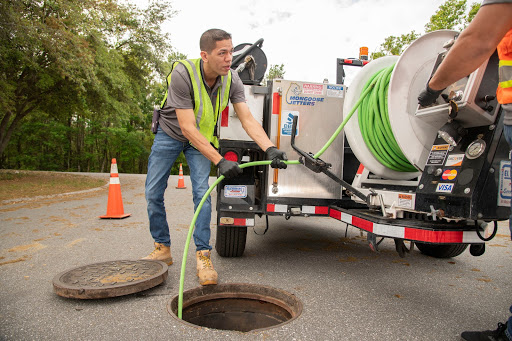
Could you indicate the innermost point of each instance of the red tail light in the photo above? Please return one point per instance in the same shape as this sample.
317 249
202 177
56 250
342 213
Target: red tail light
231 156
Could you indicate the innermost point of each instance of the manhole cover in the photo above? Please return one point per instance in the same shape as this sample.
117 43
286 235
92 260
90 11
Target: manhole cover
110 279
240 307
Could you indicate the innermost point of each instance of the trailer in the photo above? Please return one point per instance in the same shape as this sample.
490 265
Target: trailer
452 190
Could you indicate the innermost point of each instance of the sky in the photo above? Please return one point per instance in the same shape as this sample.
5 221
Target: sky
307 36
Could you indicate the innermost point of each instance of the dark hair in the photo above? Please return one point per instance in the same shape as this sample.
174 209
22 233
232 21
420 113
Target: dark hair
210 38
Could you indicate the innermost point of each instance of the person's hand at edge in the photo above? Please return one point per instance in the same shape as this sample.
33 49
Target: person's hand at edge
277 156
229 169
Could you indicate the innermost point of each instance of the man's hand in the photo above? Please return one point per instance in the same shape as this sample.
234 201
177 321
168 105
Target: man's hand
277 156
428 96
229 169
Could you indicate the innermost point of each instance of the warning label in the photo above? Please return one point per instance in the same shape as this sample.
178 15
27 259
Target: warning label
437 154
405 200
312 89
335 91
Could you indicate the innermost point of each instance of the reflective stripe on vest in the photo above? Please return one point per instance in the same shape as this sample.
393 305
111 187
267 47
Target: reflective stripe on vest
504 91
205 114
505 75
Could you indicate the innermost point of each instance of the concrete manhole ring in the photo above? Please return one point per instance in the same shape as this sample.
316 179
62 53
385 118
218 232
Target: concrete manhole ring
236 306
110 279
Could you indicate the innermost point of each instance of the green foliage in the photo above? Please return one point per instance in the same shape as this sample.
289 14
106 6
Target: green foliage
395 45
78 81
450 15
276 71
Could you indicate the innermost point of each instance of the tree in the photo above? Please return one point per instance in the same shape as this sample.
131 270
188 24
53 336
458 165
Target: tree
275 72
450 15
395 45
80 61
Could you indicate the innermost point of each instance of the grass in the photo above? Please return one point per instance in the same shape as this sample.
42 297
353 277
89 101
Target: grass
26 184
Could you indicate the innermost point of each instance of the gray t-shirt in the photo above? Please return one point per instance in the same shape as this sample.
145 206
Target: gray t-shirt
180 95
488 2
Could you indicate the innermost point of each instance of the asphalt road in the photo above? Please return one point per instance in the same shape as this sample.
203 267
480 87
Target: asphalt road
348 292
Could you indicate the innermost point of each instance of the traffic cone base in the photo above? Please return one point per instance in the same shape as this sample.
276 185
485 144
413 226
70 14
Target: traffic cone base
181 179
115 208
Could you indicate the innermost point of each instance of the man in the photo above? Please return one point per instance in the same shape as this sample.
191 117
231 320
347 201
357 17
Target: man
198 90
490 29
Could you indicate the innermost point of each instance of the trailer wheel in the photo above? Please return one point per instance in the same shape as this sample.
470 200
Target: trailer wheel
442 251
230 240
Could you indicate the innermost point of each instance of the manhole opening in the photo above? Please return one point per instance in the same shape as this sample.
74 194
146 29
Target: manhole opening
237 307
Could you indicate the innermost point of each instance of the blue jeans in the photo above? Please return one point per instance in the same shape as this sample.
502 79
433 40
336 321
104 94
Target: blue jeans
507 131
164 152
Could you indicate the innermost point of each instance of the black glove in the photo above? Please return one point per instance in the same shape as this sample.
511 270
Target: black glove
229 169
277 156
428 96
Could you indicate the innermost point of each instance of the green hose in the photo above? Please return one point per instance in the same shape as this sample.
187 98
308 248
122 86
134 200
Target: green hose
368 88
375 126
191 227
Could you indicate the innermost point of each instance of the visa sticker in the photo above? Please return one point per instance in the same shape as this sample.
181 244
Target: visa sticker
454 160
444 188
449 174
235 191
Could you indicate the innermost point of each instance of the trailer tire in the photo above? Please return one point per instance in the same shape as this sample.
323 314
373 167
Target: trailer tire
442 251
230 240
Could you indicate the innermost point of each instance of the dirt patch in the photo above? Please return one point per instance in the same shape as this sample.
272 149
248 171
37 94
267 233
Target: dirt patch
32 247
22 259
28 184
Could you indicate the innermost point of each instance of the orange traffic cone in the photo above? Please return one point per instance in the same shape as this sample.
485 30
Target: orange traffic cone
115 201
181 179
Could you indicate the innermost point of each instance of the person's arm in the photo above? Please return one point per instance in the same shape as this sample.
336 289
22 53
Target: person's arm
251 126
256 132
187 121
474 45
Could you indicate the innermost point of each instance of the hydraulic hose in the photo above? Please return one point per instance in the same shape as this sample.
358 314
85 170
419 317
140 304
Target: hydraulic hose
364 94
192 224
375 126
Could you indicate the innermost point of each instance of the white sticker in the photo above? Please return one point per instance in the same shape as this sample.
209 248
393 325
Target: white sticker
312 89
405 200
235 191
335 91
287 122
444 188
454 160
505 194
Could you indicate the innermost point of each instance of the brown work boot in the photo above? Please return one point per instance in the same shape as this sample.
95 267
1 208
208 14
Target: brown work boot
207 275
161 253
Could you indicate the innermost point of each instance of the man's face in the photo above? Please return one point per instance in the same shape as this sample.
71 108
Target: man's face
219 60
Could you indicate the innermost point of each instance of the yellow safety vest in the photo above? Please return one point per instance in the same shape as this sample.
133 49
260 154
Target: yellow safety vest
206 115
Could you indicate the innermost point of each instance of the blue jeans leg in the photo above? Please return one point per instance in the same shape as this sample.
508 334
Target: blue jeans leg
507 130
164 152
199 173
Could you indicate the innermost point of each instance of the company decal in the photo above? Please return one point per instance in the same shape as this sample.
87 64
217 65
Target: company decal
505 194
454 160
405 200
335 91
449 174
437 154
312 89
235 191
294 96
444 188
287 122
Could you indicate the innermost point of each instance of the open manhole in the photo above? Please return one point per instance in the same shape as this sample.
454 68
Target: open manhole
239 307
110 279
